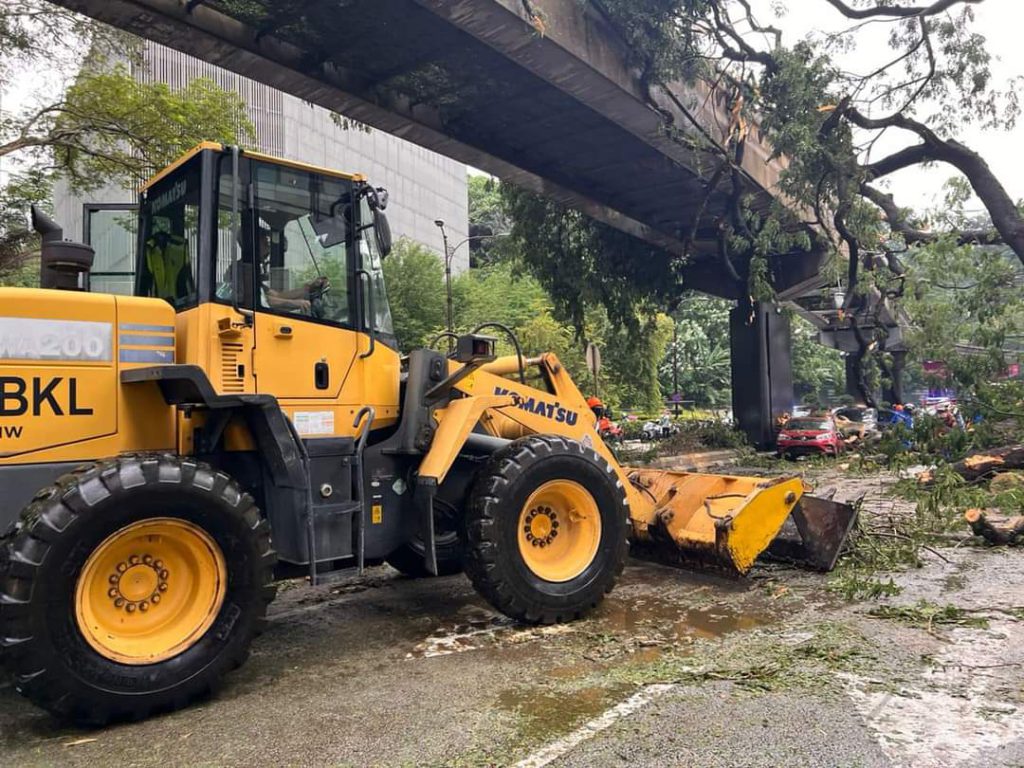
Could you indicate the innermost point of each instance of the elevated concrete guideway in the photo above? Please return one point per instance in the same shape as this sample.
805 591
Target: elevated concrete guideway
562 113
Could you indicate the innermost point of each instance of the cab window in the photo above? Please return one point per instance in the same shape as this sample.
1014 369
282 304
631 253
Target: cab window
170 238
291 255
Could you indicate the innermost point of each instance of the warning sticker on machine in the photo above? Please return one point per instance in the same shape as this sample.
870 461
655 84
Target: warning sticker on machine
314 422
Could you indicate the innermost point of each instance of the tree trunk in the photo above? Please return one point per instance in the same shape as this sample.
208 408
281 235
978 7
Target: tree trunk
981 465
994 526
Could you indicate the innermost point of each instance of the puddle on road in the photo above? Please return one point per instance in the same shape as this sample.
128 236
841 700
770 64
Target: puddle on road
631 625
674 621
545 715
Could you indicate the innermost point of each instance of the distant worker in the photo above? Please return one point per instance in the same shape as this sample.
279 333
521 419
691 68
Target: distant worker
782 420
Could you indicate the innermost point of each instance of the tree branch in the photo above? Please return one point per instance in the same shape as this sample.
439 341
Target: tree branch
897 11
897 221
905 158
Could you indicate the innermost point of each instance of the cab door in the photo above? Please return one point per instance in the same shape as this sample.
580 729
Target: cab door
305 320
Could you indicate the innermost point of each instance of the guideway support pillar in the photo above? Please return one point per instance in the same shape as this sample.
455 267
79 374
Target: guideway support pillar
762 369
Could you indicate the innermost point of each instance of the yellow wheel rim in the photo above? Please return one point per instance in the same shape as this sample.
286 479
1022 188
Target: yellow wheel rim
150 591
559 531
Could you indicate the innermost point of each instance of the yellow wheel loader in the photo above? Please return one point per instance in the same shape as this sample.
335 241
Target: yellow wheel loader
246 417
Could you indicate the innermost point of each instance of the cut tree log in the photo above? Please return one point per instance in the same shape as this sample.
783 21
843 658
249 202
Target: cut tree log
996 527
982 464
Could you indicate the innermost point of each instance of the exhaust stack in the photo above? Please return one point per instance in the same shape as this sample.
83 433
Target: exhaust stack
63 264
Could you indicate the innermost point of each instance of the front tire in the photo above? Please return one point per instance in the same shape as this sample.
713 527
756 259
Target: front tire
132 587
547 526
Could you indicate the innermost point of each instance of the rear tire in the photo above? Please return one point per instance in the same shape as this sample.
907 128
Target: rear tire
546 486
81 659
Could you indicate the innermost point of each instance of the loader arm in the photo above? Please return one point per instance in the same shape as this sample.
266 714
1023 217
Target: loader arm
557 409
721 520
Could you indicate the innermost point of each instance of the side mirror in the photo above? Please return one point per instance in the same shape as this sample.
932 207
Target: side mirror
382 230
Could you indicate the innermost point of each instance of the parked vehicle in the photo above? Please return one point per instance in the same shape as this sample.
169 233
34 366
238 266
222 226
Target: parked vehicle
609 430
812 435
660 429
856 421
606 428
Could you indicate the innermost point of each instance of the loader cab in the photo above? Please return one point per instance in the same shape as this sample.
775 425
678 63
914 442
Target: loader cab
250 229
281 263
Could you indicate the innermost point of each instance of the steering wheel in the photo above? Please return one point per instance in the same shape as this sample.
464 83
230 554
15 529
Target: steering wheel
319 301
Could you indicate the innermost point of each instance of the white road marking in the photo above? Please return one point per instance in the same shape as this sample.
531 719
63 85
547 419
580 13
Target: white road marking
566 744
500 630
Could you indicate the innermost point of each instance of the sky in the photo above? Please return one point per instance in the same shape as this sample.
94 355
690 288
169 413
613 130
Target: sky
1000 21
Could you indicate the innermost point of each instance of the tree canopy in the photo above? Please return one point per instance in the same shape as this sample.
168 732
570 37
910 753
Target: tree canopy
104 126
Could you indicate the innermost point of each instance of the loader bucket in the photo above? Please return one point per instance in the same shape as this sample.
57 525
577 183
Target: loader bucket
721 521
815 533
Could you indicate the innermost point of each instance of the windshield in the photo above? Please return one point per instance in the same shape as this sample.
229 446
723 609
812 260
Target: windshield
170 237
808 425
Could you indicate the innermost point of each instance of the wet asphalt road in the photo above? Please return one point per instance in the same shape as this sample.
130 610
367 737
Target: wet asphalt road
385 670
675 669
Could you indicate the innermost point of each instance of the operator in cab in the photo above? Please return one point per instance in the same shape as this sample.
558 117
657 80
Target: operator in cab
297 299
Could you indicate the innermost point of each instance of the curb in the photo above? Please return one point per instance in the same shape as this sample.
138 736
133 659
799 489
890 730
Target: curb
697 462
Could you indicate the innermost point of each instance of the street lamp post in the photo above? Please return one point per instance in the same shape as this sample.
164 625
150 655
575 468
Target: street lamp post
449 255
447 277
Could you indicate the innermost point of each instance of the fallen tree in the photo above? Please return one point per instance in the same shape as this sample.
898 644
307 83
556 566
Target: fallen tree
994 526
983 464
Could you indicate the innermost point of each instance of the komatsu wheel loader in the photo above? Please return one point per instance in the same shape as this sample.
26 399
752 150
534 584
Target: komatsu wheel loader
246 416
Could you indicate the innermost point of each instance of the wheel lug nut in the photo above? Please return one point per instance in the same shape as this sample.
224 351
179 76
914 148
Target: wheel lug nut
143 606
133 560
119 603
114 578
162 587
158 564
164 574
122 567
130 607
147 559
112 592
155 598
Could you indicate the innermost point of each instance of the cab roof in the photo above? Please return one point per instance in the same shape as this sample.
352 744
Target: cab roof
215 146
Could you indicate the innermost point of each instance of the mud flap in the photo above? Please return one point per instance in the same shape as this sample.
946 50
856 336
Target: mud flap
426 490
815 533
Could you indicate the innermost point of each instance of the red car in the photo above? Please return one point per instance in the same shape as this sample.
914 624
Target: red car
807 435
